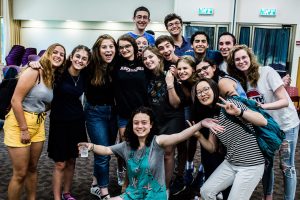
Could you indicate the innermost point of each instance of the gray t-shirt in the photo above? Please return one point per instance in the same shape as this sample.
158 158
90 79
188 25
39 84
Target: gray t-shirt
156 158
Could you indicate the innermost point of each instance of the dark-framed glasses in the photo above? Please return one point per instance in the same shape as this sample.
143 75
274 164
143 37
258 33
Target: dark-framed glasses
203 91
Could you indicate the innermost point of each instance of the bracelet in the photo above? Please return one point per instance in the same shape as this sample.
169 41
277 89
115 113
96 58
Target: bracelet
92 149
241 113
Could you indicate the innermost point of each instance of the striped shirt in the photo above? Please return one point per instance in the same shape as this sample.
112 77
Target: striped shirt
242 147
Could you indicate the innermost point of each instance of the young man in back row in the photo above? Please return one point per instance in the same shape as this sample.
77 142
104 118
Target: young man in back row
174 26
141 18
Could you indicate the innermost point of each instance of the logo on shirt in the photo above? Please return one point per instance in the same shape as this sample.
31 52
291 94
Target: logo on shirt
127 69
256 96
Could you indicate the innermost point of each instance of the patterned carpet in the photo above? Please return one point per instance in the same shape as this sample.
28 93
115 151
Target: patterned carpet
82 178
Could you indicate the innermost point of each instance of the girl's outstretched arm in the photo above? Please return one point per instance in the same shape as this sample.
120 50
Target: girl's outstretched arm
98 149
167 140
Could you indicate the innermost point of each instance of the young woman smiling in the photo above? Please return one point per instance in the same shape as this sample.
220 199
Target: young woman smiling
244 163
143 153
166 99
67 122
129 86
24 130
100 108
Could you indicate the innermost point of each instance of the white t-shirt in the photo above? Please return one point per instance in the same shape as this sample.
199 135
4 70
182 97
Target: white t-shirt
269 81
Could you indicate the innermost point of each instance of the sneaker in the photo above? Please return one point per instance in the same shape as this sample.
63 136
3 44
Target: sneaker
67 196
177 186
95 190
188 176
121 177
220 196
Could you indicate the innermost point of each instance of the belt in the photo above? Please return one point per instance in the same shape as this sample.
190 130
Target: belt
40 116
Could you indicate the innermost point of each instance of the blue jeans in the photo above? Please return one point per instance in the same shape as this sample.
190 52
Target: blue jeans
102 130
287 165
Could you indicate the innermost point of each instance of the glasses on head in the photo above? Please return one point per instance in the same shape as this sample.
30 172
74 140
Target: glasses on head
172 24
127 46
204 68
204 91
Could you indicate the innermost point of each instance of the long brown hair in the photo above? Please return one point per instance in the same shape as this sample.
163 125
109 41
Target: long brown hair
252 74
99 68
48 70
154 50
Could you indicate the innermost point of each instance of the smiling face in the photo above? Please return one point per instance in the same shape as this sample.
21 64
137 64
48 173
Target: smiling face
200 44
166 49
204 93
184 70
141 20
57 57
80 59
141 125
242 60
205 70
126 50
150 60
107 50
225 45
142 43
174 27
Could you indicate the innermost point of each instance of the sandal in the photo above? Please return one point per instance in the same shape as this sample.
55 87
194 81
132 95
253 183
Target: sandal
67 196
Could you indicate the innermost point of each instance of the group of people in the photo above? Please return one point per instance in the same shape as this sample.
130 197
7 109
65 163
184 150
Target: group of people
144 90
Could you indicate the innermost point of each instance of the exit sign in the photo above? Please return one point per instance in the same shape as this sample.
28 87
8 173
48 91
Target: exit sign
206 11
267 12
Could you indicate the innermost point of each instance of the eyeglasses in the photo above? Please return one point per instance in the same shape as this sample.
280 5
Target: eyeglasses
127 46
144 17
172 24
204 68
204 91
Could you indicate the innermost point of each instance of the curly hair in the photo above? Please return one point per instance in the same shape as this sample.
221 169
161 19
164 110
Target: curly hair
154 50
252 74
131 137
48 70
99 68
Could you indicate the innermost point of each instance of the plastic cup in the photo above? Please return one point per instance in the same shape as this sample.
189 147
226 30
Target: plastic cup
84 152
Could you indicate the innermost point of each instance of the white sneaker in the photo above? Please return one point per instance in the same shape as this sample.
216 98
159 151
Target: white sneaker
95 190
220 196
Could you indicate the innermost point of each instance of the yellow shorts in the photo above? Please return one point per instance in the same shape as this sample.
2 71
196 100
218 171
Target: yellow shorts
12 131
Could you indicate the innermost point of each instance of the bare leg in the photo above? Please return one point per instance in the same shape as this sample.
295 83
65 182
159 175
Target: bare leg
169 164
68 175
57 179
20 159
31 177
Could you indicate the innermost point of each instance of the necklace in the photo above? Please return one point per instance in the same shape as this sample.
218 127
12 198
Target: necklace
75 82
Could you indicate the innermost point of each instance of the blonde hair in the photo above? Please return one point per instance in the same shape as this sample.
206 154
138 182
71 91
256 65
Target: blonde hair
252 74
48 70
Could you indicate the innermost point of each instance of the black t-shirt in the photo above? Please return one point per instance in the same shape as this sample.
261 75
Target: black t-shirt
66 104
99 94
130 86
159 99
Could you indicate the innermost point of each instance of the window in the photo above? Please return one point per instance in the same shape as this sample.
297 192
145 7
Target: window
271 44
213 31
